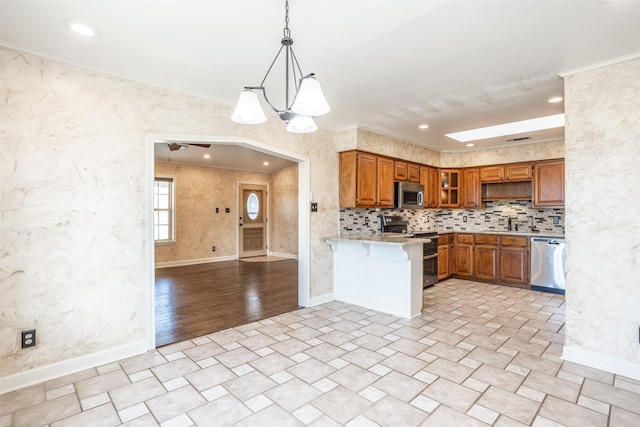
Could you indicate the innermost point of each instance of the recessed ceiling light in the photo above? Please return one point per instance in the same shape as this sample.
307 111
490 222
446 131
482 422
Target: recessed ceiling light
554 99
207 156
265 163
548 122
423 127
81 28
470 144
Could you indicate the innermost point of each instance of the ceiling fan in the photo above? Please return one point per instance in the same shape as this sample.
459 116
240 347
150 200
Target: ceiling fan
173 146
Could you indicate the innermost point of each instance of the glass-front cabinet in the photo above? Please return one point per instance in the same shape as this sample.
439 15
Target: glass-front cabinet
449 188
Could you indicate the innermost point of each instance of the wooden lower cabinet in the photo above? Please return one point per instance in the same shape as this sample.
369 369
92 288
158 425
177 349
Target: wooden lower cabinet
492 258
485 258
443 262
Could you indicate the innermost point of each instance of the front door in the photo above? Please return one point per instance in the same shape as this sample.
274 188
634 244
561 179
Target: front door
252 221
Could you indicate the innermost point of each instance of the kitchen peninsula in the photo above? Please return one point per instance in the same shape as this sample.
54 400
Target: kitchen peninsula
379 271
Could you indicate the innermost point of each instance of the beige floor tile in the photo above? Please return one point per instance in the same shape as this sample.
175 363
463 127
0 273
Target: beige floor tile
224 411
622 418
500 378
451 394
143 421
390 411
311 370
325 352
272 363
75 377
588 372
227 336
325 421
400 386
174 369
407 346
334 404
410 332
203 351
353 378
210 377
104 416
513 406
569 414
370 342
490 357
290 347
249 385
447 351
614 396
524 346
447 417
23 398
293 394
100 384
363 357
536 363
450 370
175 402
336 337
270 416
403 363
47 412
554 386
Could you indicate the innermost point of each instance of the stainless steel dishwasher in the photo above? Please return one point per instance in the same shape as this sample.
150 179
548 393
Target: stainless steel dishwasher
547 264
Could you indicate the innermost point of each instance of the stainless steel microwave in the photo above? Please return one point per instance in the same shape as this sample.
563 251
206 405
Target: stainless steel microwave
409 195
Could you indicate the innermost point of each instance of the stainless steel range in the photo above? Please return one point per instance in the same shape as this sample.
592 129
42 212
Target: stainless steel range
397 224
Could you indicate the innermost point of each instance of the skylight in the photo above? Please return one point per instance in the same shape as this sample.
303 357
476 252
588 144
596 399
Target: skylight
523 126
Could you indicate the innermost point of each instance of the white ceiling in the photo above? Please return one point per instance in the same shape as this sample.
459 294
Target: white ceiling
386 66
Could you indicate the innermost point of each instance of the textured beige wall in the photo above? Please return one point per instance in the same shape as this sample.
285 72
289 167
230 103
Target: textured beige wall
513 154
74 163
199 191
284 210
603 231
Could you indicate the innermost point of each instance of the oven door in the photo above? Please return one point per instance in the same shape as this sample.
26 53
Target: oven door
429 270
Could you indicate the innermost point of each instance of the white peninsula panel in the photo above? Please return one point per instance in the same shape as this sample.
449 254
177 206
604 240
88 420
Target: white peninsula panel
380 273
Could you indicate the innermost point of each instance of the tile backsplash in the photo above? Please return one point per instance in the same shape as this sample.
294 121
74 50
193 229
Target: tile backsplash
495 217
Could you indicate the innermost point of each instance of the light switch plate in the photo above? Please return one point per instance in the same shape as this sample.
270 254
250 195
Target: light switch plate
314 207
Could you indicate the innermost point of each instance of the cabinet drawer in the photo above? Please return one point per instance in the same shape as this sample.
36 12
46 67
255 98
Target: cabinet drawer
444 239
519 172
487 239
464 238
492 174
514 241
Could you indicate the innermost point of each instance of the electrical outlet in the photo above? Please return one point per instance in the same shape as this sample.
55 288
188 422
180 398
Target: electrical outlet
29 338
213 248
217 210
556 220
227 210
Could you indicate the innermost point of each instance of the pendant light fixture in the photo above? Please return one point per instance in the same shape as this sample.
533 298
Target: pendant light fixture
300 107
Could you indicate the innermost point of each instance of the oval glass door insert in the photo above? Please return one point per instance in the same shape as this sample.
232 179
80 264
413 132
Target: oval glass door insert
253 206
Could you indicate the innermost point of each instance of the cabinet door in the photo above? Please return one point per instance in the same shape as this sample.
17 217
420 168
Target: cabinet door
366 182
548 184
429 179
413 172
448 189
385 183
463 260
518 172
443 261
400 170
470 188
492 174
514 265
485 258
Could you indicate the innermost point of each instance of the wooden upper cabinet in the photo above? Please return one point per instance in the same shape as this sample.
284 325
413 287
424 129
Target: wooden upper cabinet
471 188
548 184
492 174
400 170
518 172
413 172
429 180
506 173
449 188
366 180
385 186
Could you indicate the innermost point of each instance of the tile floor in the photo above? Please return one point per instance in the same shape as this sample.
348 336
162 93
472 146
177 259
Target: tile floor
479 355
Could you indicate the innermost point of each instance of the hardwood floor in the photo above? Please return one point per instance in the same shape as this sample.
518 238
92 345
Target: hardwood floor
196 300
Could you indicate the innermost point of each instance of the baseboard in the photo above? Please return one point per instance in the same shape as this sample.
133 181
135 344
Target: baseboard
321 299
195 261
283 255
599 361
70 366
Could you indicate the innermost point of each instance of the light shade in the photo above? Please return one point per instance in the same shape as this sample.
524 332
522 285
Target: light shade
301 124
310 100
248 110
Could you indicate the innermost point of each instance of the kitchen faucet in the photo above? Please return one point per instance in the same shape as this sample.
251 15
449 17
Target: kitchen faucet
509 224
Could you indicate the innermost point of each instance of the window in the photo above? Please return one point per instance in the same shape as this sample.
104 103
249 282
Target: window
163 205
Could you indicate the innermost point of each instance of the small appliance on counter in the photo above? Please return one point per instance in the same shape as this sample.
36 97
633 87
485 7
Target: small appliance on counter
547 264
397 224
409 195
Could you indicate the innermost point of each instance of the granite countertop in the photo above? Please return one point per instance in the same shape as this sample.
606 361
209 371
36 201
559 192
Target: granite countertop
509 233
381 238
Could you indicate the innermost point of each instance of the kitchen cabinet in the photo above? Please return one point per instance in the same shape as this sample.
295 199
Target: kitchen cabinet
548 184
514 260
399 170
429 179
471 190
463 255
485 257
366 180
413 172
506 173
445 248
449 188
